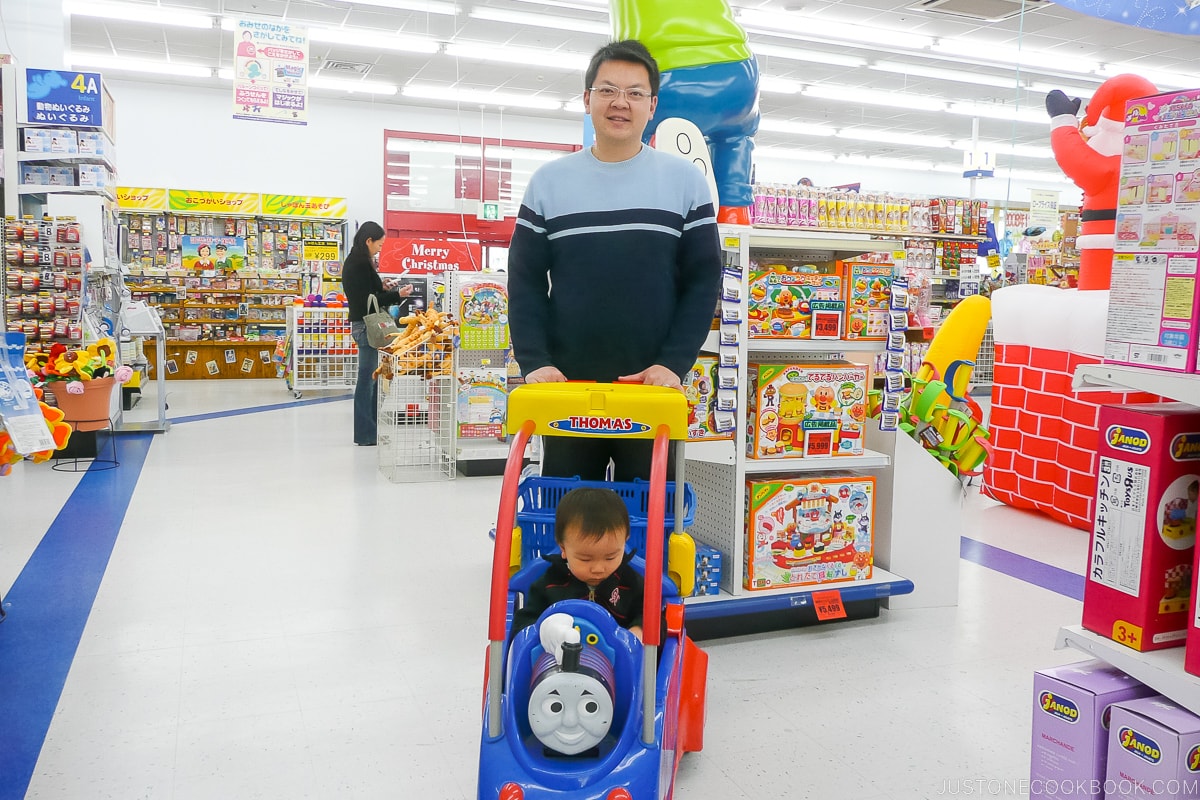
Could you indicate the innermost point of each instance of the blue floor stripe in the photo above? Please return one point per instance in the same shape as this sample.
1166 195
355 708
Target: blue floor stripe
1064 582
49 605
237 412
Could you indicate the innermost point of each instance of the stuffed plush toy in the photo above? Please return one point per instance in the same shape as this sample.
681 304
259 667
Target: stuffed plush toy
1089 152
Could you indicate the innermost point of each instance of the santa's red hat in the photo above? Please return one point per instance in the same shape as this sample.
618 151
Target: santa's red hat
1109 100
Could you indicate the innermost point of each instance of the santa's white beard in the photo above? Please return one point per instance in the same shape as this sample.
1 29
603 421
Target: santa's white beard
1106 137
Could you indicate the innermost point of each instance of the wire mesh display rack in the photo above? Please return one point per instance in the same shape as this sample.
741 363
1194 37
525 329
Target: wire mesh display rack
416 420
323 354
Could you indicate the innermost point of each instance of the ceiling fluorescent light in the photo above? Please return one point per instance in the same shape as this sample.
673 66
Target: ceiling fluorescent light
962 76
577 5
1023 150
1163 79
1072 91
139 65
791 154
981 51
480 97
892 137
796 54
886 162
811 27
140 12
427 6
998 111
347 85
519 55
541 20
849 94
770 83
770 125
359 37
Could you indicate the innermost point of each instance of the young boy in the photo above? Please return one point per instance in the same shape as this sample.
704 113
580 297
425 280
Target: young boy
591 527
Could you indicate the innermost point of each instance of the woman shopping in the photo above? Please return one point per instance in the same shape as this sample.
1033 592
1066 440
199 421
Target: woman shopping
360 281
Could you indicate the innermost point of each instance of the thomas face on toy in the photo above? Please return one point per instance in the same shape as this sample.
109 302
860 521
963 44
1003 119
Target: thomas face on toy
570 712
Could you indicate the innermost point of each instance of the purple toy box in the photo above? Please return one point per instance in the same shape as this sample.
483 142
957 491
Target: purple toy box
1154 751
1070 726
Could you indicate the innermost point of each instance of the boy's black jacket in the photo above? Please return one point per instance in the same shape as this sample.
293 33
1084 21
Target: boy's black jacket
620 593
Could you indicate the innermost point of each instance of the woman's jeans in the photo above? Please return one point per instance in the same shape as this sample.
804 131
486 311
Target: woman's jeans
365 392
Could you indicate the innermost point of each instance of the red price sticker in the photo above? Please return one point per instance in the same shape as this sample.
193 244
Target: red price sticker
829 605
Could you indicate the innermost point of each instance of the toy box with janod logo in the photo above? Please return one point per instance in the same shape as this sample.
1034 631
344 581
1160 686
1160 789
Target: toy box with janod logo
794 303
1071 707
806 410
1144 528
1153 751
808 530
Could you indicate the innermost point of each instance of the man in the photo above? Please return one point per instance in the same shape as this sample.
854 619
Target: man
224 262
615 263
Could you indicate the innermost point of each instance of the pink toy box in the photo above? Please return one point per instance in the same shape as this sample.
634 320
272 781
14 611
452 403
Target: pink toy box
1071 706
1154 304
806 410
1153 751
810 530
1144 528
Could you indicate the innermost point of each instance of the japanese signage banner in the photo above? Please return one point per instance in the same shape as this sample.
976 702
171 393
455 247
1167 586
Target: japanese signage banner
270 76
60 97
227 203
133 198
290 205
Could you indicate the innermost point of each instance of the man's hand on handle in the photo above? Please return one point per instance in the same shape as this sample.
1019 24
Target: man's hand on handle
656 375
545 375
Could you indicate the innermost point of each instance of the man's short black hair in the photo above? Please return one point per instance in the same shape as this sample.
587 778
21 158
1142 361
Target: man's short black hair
630 50
593 512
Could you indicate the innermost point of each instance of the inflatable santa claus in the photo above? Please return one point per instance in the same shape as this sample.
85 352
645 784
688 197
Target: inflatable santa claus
1090 154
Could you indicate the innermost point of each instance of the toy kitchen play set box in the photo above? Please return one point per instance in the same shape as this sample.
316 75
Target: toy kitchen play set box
1154 305
1143 534
810 530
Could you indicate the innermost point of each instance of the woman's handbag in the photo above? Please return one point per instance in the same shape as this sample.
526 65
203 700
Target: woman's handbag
379 324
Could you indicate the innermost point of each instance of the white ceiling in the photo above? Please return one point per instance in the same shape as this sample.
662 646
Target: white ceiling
1061 33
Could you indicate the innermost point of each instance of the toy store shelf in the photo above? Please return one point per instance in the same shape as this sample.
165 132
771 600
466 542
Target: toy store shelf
481 450
1161 670
914 236
815 345
1106 377
67 158
842 243
868 460
38 188
881 584
717 451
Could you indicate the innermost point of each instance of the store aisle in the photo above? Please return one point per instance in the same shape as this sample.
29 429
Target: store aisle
277 620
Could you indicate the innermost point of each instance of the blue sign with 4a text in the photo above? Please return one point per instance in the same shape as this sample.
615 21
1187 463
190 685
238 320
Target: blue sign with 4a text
60 97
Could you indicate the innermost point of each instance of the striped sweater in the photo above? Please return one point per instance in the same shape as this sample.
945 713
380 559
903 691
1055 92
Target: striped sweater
613 267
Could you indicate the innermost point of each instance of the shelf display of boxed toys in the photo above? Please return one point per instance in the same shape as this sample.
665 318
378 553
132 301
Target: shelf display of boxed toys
810 529
198 307
711 409
806 410
43 276
833 209
789 299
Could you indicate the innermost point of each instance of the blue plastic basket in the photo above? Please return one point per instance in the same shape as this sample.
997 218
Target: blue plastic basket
539 498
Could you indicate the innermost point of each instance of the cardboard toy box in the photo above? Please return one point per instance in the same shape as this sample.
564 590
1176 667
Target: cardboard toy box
810 530
1144 529
868 290
700 387
794 305
806 410
1071 706
1153 751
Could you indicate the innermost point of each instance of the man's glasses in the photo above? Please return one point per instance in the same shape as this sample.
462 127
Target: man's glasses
610 93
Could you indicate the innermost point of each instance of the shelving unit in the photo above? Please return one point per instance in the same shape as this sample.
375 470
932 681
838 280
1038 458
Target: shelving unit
717 470
1162 670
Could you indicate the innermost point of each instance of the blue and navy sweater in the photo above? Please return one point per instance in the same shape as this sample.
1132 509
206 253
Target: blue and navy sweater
613 267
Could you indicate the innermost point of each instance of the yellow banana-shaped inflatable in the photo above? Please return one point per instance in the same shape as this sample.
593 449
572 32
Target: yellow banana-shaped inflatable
958 339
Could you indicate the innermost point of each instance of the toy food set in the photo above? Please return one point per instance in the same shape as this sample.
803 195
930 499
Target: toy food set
1071 707
790 304
1153 750
700 386
806 410
1154 304
808 530
709 568
1139 572
868 287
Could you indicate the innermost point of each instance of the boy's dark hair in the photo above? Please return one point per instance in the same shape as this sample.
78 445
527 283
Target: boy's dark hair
592 512
630 50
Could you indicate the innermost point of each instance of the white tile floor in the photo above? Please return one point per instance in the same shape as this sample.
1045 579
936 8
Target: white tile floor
279 621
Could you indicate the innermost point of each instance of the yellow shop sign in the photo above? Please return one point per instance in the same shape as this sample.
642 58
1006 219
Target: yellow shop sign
292 205
321 250
246 204
133 198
